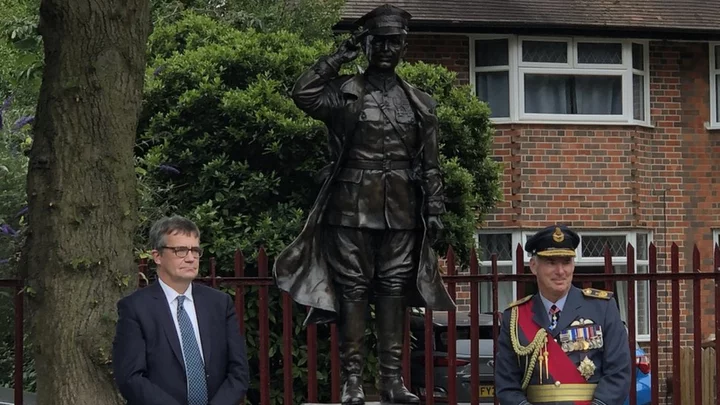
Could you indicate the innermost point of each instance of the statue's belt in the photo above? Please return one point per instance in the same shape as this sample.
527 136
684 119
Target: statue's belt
377 164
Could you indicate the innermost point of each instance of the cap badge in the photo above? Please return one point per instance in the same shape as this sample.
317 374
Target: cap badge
558 236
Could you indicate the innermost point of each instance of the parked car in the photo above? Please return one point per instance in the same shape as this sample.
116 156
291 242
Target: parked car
440 357
463 367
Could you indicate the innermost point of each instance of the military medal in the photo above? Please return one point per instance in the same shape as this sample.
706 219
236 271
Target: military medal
586 368
565 340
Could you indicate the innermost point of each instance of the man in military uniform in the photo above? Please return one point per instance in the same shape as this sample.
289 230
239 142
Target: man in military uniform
368 234
563 345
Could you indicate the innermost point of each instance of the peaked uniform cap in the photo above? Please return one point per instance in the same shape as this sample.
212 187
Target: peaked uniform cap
385 20
553 241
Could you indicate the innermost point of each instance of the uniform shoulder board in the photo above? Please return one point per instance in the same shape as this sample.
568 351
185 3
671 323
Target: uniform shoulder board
595 293
520 301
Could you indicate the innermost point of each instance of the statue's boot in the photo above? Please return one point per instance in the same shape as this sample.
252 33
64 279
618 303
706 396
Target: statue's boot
351 325
390 313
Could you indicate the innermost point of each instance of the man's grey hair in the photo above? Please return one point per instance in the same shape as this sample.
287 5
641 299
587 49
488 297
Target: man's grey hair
168 226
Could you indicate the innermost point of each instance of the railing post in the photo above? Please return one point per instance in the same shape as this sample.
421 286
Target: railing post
429 365
452 331
697 317
264 328
495 305
675 294
520 269
287 348
239 264
19 338
654 350
311 334
716 269
213 273
608 267
630 255
474 331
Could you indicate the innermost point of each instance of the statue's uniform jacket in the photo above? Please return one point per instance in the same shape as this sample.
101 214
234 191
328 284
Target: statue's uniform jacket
359 130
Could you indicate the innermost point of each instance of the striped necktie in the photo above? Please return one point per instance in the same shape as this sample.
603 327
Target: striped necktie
554 315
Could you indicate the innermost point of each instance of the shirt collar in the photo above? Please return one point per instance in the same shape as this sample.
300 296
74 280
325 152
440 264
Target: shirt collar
171 294
547 303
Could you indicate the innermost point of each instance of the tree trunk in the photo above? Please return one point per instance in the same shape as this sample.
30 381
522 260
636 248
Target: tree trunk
82 192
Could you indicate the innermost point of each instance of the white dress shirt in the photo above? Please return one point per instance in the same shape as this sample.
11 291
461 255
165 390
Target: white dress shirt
189 306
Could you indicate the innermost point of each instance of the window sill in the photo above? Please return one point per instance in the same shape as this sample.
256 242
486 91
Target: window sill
642 338
712 127
504 121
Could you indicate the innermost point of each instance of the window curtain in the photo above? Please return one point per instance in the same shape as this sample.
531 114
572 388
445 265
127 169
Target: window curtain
505 291
494 88
569 94
621 292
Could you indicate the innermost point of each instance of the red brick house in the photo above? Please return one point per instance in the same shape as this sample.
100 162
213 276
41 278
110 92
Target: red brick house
607 118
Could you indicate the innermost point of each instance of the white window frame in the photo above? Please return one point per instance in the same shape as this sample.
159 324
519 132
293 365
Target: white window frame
517 70
487 264
510 68
646 83
630 237
714 72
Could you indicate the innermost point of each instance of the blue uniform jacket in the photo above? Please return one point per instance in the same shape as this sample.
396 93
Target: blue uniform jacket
605 361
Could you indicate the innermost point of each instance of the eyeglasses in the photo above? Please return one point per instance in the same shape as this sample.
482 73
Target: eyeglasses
182 251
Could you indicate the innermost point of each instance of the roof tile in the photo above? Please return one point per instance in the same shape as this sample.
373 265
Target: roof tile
661 15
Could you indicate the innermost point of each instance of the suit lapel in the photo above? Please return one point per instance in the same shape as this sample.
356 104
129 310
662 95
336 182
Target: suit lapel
570 310
202 311
539 315
166 321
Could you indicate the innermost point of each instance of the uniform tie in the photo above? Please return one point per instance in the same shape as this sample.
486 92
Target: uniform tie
194 367
554 315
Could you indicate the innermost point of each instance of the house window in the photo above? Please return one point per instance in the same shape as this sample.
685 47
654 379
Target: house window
715 85
525 79
590 259
502 244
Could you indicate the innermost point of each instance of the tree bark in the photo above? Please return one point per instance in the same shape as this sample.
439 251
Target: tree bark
78 256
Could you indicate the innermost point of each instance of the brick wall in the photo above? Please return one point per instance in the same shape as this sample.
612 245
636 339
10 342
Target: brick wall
451 51
662 179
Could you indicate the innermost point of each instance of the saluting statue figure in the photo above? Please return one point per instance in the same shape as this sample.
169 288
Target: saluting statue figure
368 236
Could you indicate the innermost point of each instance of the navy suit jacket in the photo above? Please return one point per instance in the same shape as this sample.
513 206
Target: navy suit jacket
148 364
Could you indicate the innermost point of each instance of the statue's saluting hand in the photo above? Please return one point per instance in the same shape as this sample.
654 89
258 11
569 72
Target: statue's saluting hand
349 49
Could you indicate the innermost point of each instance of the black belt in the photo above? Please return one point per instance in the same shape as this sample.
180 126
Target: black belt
377 164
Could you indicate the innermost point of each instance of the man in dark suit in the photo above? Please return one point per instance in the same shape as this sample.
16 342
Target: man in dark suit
177 342
563 345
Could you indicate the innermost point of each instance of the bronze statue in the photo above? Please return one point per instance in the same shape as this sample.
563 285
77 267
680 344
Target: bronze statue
368 236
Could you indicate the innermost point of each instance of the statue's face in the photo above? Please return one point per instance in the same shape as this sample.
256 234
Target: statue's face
384 52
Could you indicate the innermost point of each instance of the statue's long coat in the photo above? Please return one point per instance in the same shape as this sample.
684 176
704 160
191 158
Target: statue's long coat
301 269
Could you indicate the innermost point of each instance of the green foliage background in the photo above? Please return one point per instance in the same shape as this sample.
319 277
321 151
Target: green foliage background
220 141
20 69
